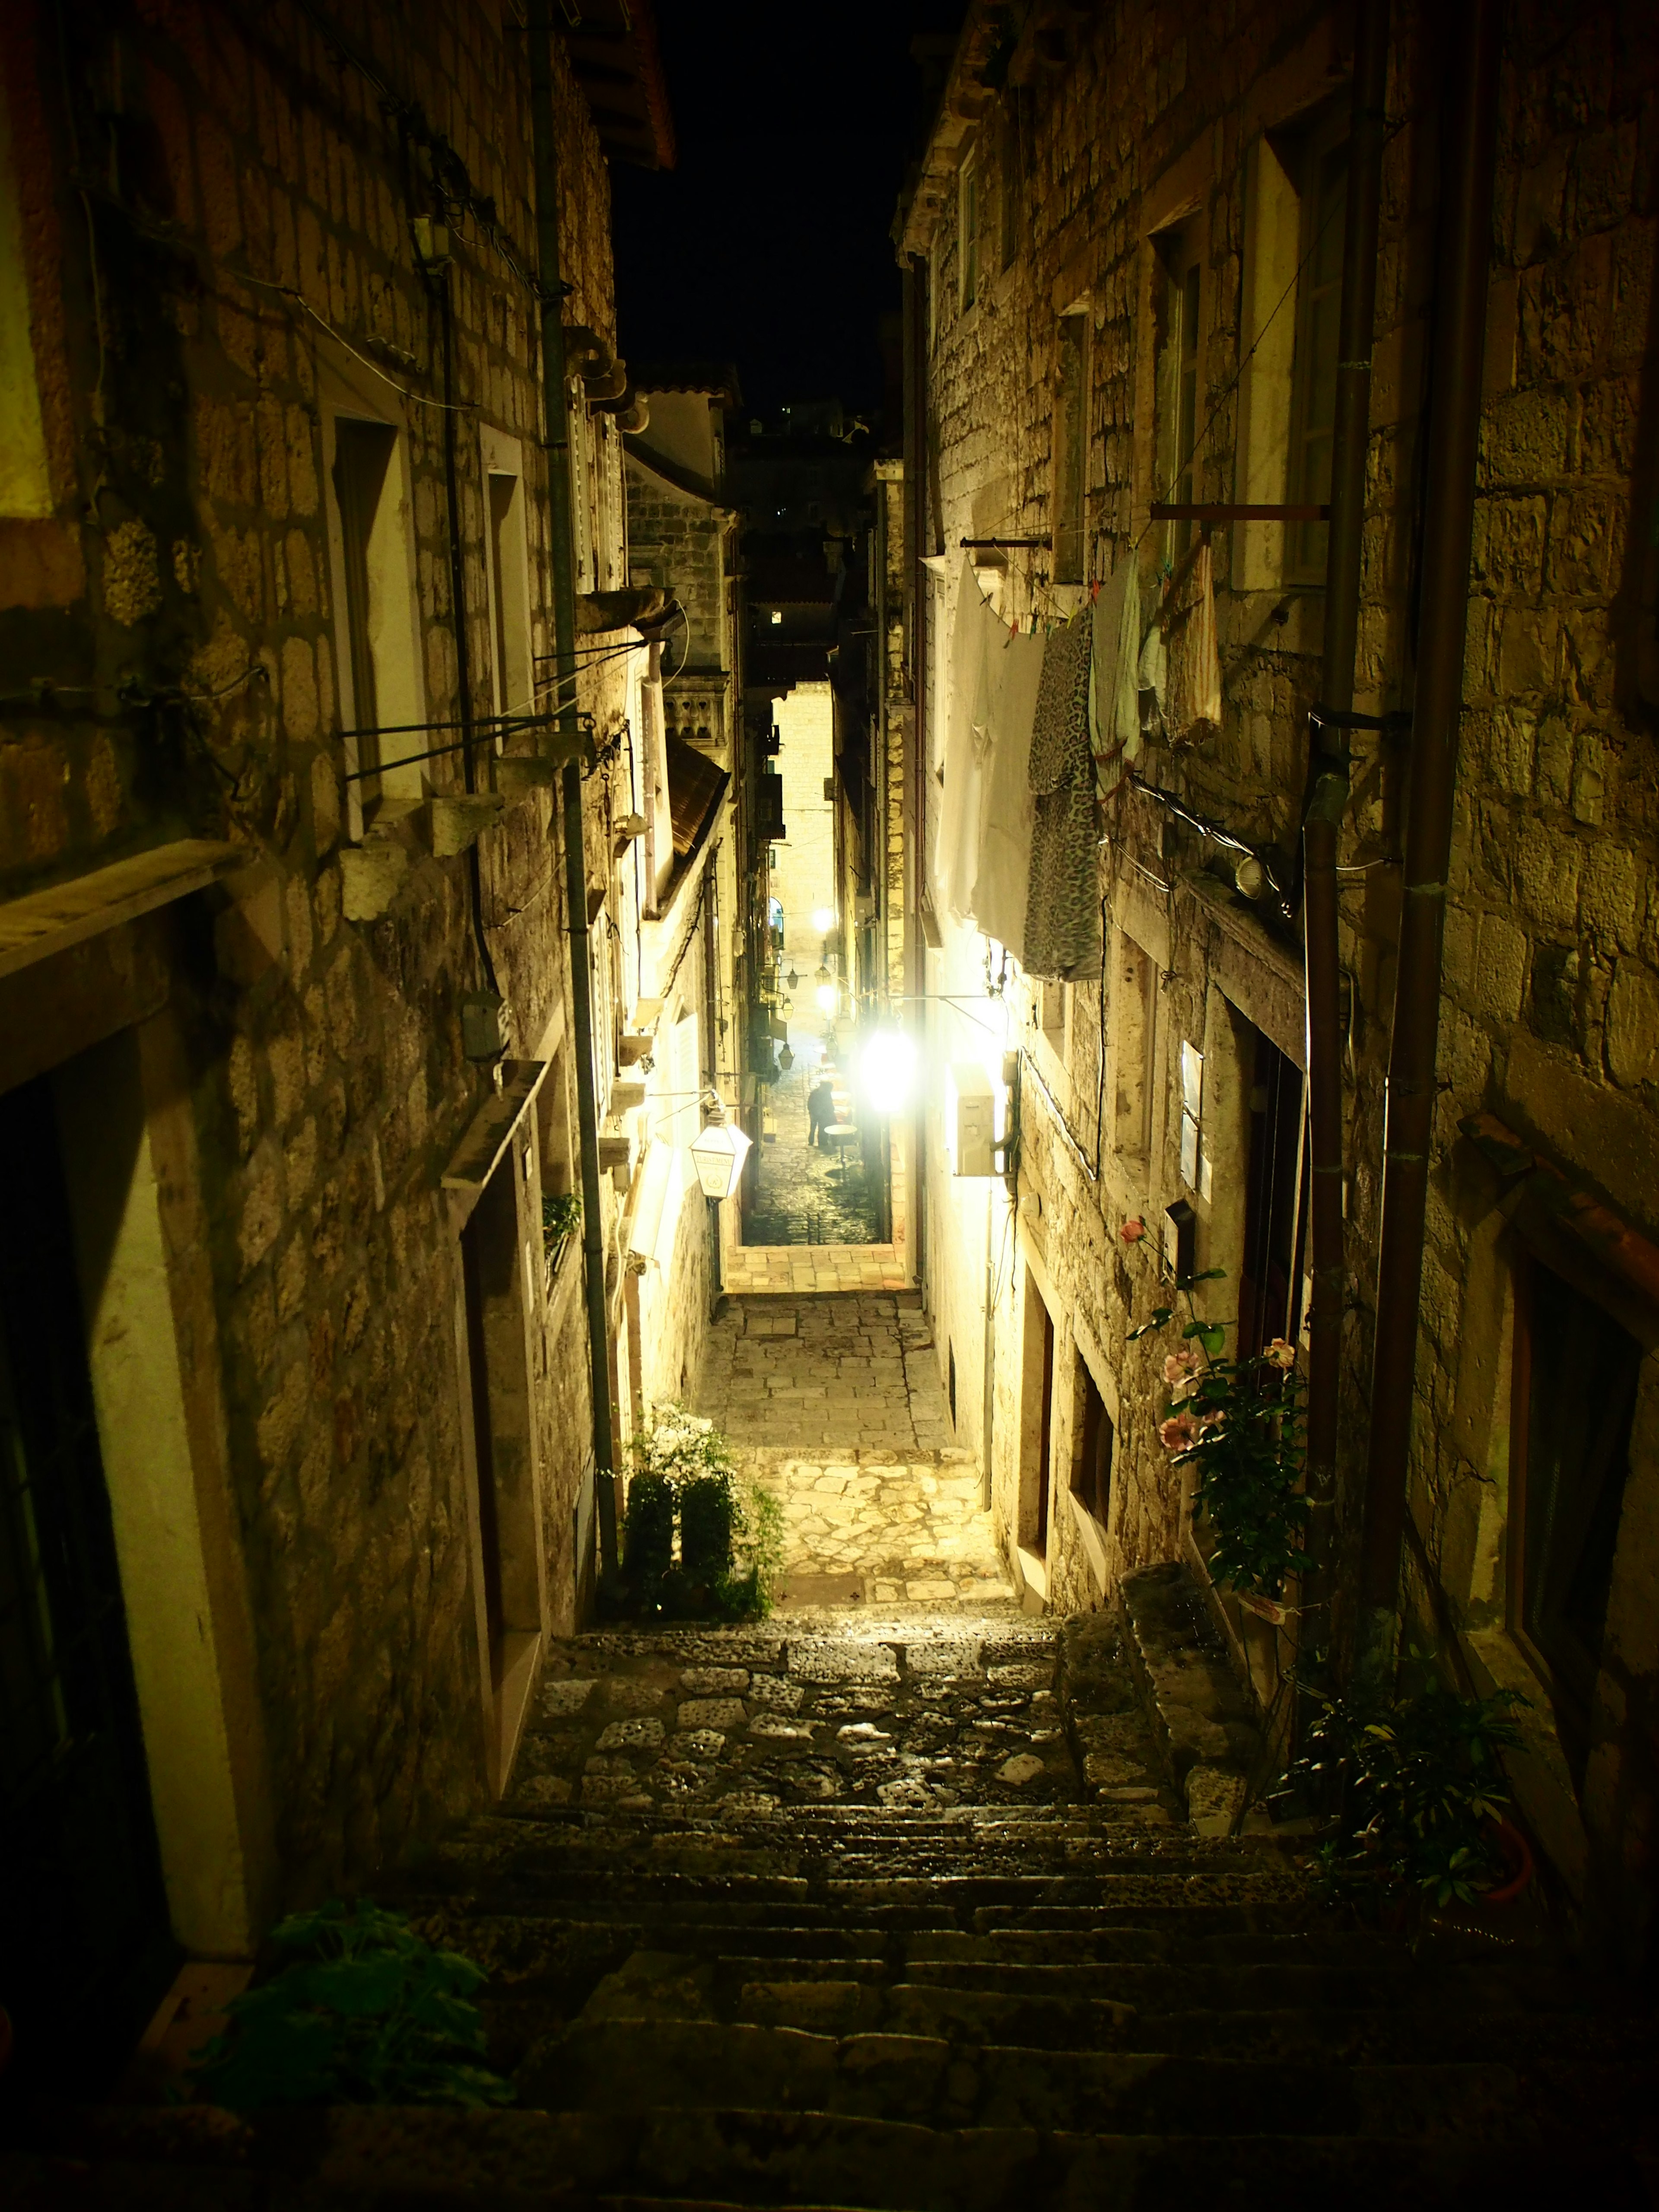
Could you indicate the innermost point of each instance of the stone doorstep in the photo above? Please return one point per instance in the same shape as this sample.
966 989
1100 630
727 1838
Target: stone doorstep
1204 1725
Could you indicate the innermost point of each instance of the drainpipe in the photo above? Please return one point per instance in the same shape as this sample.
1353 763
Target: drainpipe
1328 773
915 282
1462 259
555 403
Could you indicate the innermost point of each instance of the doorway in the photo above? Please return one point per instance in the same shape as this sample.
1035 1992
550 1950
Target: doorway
512 1559
85 1948
1036 1427
1275 1199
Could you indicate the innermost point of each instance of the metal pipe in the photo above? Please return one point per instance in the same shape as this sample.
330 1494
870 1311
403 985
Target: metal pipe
556 405
1463 257
1329 776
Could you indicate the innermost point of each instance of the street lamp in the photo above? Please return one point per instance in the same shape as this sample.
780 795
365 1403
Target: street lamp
887 1069
717 1156
824 919
828 998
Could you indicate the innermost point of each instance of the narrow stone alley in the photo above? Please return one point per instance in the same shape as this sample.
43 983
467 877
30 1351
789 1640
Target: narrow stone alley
834 1403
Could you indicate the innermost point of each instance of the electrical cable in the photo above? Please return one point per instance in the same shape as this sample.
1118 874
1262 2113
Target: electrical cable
288 291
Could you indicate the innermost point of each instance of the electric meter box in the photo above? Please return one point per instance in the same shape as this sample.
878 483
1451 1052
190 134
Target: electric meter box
970 1119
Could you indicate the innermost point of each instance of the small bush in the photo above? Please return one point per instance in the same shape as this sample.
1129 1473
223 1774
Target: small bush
365 2012
650 1527
709 1518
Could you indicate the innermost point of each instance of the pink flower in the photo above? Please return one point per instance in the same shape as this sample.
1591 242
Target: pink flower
1281 1353
1180 1365
1133 1231
1178 1433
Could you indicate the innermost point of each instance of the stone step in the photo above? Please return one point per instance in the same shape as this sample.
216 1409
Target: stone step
586 2162
526 1936
615 2066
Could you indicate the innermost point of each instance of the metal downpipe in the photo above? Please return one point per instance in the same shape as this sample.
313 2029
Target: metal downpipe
1462 259
557 415
1329 782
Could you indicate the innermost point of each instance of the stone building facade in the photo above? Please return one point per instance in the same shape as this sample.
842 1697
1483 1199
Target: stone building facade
285 1005
1119 248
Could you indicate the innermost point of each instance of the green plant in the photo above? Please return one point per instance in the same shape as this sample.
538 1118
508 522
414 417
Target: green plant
562 1213
709 1516
1415 1779
1238 1423
649 1530
731 1534
364 2013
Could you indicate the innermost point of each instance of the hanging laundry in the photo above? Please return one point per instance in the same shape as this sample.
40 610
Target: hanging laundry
1007 812
1115 732
1151 677
1193 699
1062 907
976 634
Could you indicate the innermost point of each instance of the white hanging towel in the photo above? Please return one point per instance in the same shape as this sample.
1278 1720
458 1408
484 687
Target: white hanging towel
1008 809
975 635
1194 682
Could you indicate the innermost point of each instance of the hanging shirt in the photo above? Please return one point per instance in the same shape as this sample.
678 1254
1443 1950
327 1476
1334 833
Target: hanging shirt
1006 813
1193 702
1062 910
975 636
1114 674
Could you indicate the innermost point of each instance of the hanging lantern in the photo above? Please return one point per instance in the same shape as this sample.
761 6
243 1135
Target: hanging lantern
717 1156
793 979
786 1059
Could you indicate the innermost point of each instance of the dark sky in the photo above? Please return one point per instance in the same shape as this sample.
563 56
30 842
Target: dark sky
768 244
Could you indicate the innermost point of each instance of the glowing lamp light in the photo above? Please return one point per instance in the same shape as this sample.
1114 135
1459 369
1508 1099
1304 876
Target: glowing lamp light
717 1156
828 998
824 919
887 1070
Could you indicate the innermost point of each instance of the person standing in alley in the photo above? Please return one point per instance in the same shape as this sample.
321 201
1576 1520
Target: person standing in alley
820 1110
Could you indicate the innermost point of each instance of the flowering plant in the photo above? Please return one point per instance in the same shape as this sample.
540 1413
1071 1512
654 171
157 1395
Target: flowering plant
730 1532
1239 1422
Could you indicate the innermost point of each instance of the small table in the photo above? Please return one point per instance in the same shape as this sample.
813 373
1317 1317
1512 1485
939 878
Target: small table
839 1135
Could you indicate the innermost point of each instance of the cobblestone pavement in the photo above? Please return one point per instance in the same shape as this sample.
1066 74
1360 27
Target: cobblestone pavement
801 1270
835 1404
803 1195
901 1710
876 1532
809 1374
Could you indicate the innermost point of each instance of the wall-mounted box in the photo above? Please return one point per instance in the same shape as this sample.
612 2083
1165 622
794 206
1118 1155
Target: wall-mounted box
970 1118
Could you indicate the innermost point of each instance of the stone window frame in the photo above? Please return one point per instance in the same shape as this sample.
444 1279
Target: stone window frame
509 594
1177 202
970 234
347 390
1473 1562
1274 341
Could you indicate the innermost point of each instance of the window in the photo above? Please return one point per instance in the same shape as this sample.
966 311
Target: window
1008 179
382 700
553 1128
1091 1462
582 488
967 230
1071 439
1275 1208
1178 305
507 576
1051 1010
1575 1384
25 480
1135 1006
1319 305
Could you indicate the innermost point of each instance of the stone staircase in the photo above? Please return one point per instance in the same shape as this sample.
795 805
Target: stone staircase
844 1912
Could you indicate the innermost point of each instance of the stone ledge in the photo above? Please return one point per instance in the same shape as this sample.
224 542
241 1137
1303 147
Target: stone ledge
1204 1725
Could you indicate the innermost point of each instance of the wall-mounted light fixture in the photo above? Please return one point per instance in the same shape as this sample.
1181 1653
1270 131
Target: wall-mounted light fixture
719 1154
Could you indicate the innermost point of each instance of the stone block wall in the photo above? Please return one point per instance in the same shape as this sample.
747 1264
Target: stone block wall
260 227
1551 1005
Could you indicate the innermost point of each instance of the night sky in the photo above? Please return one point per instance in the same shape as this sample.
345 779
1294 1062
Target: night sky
768 245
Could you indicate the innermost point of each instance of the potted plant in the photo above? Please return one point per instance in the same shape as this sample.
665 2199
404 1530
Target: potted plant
562 1213
1412 1777
1239 1424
